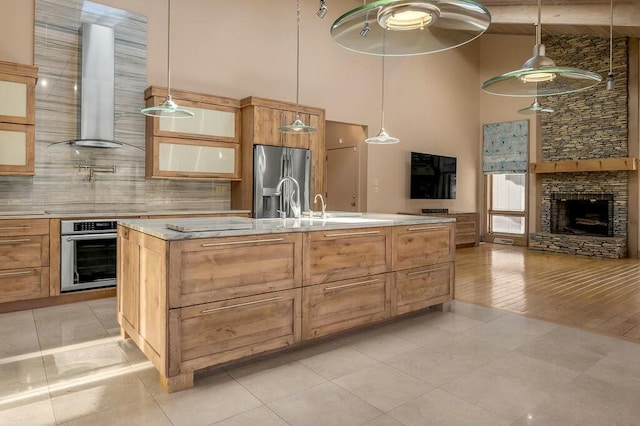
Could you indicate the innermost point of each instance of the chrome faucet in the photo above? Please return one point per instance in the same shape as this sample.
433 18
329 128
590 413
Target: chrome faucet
315 201
295 206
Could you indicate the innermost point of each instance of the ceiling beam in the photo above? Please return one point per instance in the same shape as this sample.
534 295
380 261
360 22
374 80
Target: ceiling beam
590 19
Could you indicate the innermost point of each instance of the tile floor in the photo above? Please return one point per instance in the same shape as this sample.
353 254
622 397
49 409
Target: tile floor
469 366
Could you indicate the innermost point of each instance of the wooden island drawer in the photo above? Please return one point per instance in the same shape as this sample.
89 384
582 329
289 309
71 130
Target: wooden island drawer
214 333
422 245
341 305
419 288
341 254
24 251
24 284
208 270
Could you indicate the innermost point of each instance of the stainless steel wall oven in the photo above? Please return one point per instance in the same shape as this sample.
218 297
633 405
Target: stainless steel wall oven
87 254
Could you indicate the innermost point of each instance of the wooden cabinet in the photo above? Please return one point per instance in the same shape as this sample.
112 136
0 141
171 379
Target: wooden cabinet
216 269
218 332
346 253
342 305
418 288
267 120
467 230
17 118
206 146
260 121
192 304
422 245
24 259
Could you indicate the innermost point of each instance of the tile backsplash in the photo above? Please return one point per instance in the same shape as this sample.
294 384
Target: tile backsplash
60 183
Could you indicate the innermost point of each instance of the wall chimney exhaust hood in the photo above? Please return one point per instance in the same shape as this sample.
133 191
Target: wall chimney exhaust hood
97 87
96 101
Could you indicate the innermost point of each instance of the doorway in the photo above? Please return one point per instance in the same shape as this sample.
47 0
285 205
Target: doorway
342 178
346 166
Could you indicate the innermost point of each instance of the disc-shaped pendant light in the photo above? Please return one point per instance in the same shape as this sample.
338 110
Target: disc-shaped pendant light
410 27
382 138
297 126
168 108
536 108
540 76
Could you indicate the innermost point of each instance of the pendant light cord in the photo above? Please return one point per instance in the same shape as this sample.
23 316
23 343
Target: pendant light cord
297 55
539 26
169 50
611 41
382 107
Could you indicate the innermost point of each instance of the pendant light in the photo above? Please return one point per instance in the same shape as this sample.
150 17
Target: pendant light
382 138
540 76
611 79
536 108
297 126
168 108
410 27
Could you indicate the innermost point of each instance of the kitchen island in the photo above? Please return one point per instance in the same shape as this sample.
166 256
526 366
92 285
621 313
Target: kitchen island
193 293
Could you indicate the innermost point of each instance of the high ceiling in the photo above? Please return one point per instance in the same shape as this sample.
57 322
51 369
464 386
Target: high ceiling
590 17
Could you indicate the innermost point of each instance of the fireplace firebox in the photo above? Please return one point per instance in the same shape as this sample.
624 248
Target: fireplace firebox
582 214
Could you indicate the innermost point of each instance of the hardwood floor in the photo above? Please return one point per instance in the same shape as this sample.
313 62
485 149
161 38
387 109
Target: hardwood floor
600 295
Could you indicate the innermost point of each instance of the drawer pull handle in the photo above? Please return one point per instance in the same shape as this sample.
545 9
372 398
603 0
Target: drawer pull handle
233 243
338 287
15 274
3 228
20 240
409 274
255 302
352 234
428 228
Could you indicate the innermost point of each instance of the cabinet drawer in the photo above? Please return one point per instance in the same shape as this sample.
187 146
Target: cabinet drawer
422 245
213 333
209 270
346 253
28 251
337 306
419 288
23 284
19 227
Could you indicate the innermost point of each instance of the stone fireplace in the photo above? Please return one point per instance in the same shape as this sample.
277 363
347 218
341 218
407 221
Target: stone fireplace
583 209
582 214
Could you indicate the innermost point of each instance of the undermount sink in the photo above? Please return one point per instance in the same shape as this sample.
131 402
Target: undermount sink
352 220
310 221
330 214
343 214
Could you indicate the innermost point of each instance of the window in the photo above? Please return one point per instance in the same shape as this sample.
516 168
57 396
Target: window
506 204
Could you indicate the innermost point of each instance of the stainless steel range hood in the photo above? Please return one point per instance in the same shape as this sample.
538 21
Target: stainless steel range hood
97 88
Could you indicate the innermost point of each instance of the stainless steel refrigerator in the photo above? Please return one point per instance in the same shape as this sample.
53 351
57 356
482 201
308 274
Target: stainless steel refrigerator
270 165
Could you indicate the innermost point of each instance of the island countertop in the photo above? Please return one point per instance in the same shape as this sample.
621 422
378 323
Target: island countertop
189 228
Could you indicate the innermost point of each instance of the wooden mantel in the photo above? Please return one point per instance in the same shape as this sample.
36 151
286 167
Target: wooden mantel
593 165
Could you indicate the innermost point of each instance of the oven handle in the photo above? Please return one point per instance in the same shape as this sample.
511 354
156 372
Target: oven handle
89 237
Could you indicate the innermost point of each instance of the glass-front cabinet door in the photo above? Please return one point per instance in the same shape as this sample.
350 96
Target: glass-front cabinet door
205 146
17 118
183 158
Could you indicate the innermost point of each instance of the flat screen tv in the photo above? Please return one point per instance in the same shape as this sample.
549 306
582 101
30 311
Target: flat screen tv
433 176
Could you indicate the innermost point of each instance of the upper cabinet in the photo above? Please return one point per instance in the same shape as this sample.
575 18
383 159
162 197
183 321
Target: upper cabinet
17 118
206 146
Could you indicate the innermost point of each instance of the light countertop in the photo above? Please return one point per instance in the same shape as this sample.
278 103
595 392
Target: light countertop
107 213
167 229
